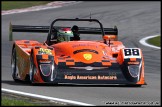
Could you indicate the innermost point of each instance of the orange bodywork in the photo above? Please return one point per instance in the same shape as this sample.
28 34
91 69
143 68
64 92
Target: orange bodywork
142 79
23 55
71 52
67 49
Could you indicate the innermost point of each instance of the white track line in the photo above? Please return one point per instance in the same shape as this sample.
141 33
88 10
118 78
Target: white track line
143 42
50 5
45 97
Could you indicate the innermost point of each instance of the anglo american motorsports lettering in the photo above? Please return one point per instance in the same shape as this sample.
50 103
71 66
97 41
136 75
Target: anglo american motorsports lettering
98 77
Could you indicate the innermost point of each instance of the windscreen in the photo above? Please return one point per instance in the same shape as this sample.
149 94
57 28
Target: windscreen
82 25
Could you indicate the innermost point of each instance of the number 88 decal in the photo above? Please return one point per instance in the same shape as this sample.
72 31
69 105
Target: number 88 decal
132 52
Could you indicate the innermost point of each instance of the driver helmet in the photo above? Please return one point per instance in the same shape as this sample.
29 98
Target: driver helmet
64 34
75 28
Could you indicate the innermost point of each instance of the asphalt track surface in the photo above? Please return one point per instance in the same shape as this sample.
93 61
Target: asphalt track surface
134 20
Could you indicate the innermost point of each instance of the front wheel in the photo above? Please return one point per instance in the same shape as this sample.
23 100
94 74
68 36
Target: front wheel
32 69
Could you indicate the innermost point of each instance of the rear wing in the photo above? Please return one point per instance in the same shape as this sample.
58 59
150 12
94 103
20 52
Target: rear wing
45 29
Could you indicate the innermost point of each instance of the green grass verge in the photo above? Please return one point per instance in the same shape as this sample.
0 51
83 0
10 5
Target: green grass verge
8 99
8 5
12 102
155 41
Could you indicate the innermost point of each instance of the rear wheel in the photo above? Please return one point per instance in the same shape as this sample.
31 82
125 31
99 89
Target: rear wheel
13 66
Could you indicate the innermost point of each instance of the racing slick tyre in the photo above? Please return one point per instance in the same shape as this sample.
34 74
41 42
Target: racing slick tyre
13 66
54 73
32 69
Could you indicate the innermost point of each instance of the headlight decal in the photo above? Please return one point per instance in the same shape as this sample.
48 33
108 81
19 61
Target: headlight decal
46 69
134 70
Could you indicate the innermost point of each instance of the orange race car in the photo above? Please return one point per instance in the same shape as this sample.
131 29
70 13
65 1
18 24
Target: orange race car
76 54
